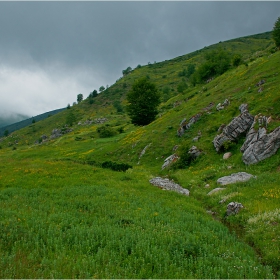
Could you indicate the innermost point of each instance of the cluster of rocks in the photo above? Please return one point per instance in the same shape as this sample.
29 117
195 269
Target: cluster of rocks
169 185
233 208
87 122
59 132
221 106
258 144
100 120
184 125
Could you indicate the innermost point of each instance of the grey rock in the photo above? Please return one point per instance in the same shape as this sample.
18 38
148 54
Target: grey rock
100 120
144 150
216 190
168 161
194 152
258 144
227 155
166 184
233 208
209 107
186 125
56 133
235 178
175 148
234 130
196 138
261 82
220 129
59 132
219 107
222 106
243 108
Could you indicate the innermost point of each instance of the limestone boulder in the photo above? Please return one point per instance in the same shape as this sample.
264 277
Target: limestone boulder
216 190
235 178
259 145
169 185
169 161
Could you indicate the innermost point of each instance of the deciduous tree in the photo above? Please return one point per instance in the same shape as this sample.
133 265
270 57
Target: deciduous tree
143 101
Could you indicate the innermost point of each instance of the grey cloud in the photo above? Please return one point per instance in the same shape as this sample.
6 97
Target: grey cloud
83 45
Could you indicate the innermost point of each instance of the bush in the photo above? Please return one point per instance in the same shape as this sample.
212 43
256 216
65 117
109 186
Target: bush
115 166
237 60
105 131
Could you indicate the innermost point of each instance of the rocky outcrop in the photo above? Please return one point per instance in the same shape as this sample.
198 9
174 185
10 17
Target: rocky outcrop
259 145
235 178
59 132
234 129
184 125
170 160
166 184
233 208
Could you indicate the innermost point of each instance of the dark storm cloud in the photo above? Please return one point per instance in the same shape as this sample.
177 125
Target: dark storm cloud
71 47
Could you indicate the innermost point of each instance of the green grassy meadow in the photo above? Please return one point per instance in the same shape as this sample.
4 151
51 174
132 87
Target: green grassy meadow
64 216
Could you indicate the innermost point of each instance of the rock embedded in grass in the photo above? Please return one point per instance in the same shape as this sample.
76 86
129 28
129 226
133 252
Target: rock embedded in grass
169 185
216 190
227 155
235 178
233 208
169 160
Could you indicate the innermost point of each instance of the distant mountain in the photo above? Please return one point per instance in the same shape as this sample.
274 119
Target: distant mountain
21 124
4 121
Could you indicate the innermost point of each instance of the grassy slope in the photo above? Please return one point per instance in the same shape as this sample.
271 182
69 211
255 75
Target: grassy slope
133 220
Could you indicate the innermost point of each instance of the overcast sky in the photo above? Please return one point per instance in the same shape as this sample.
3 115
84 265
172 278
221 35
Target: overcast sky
52 51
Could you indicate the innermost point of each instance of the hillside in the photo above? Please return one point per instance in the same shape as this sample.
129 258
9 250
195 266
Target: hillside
66 214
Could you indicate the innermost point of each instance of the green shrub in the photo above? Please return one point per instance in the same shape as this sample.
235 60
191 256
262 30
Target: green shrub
115 166
105 131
